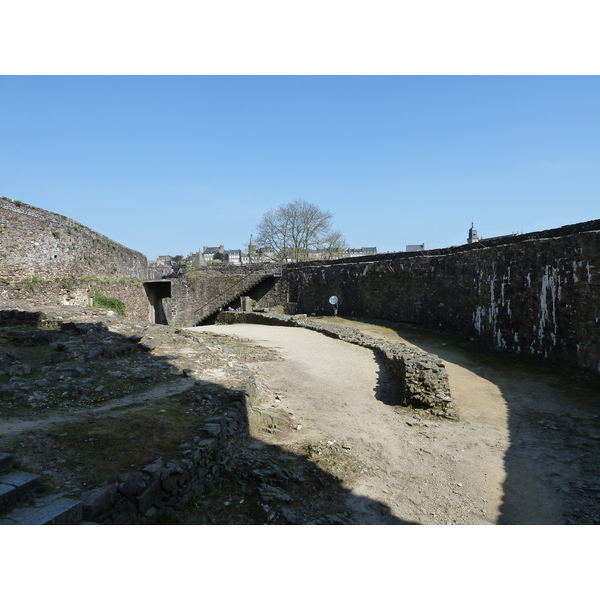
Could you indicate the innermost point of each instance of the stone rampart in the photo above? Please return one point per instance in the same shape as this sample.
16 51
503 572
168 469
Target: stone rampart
46 245
535 293
49 259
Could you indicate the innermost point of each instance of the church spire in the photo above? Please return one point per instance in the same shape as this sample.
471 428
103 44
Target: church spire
472 235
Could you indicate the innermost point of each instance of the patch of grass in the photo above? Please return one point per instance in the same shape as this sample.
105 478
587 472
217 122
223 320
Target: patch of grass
32 282
101 301
56 234
118 444
66 283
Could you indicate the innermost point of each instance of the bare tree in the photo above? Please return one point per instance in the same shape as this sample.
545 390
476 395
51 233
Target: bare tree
299 231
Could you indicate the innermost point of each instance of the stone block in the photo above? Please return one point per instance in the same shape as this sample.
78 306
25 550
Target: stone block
63 511
154 469
14 485
6 462
97 503
8 496
150 497
170 484
132 484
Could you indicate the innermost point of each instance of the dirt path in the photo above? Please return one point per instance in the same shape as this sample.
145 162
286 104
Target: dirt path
509 459
17 426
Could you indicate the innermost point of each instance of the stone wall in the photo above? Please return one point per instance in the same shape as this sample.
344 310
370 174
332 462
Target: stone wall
535 293
422 377
49 259
42 244
69 291
157 490
192 299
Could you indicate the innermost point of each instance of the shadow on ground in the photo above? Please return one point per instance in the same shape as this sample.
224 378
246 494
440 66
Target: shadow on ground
82 403
551 464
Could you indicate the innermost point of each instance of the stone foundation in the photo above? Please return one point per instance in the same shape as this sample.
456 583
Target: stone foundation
422 376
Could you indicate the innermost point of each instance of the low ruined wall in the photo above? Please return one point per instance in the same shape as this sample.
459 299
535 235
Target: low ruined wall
534 293
46 245
422 376
159 489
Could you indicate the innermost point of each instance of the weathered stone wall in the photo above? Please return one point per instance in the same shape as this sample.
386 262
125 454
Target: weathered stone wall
49 259
46 245
157 490
195 298
535 293
422 377
69 291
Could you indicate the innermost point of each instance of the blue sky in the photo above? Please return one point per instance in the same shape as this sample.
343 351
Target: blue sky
167 164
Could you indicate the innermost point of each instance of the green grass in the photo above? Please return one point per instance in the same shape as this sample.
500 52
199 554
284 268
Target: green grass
130 440
101 301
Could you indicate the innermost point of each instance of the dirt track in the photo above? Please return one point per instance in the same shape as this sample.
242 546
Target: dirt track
524 452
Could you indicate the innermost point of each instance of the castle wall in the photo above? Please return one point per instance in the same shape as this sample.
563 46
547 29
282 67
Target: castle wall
46 258
38 243
536 293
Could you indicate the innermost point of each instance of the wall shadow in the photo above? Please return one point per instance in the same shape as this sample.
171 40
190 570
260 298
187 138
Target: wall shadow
388 389
73 358
553 427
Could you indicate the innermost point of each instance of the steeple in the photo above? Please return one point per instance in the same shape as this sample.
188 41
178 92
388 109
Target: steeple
251 246
472 235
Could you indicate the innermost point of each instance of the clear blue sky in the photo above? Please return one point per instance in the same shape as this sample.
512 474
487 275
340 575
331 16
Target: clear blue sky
167 164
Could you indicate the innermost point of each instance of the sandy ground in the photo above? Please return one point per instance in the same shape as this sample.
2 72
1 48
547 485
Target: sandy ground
523 452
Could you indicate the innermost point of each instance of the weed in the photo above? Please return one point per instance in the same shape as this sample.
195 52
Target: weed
101 301
56 234
66 283
32 282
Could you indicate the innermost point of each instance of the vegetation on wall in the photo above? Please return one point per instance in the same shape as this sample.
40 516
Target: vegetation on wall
102 301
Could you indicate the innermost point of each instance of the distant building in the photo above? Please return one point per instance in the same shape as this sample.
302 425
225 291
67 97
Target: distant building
473 237
233 257
163 265
256 255
209 252
415 248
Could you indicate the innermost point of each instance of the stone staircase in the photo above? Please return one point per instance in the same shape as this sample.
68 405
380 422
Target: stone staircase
234 292
19 504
